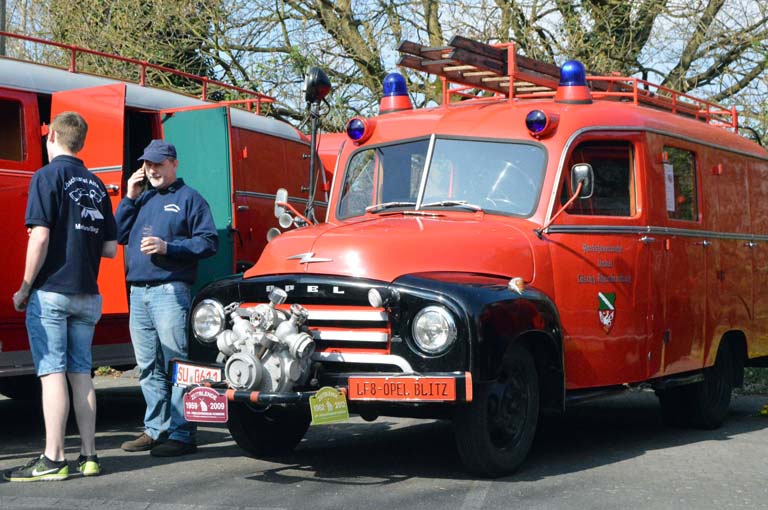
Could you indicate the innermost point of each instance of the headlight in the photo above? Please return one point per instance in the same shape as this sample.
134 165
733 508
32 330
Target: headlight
434 329
208 320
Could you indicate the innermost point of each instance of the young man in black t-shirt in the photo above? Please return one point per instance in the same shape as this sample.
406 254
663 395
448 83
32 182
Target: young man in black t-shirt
71 226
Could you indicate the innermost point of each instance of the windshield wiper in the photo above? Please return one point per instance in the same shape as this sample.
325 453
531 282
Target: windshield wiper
387 205
453 203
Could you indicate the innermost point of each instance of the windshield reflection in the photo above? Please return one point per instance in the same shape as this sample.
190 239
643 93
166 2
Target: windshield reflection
469 175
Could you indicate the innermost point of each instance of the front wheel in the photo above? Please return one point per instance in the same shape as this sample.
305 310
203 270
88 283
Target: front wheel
270 431
495 432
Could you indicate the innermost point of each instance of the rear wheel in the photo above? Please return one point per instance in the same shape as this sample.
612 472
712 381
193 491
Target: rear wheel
704 404
266 432
495 432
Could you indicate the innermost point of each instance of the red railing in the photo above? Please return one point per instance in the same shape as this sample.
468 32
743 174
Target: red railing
205 82
464 66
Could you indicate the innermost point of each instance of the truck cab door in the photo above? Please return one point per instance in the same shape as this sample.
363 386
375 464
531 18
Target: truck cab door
103 108
600 260
203 143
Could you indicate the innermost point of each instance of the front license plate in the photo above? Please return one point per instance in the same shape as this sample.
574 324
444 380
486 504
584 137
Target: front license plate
402 389
185 374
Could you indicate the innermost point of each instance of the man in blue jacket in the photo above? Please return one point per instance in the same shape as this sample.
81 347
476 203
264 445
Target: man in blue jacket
167 229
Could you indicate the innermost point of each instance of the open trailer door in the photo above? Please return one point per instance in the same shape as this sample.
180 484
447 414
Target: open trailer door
103 108
202 139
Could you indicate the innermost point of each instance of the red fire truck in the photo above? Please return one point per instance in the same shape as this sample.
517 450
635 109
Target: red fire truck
555 237
236 158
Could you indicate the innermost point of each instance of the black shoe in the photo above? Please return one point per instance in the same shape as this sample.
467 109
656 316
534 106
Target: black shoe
173 448
140 444
40 469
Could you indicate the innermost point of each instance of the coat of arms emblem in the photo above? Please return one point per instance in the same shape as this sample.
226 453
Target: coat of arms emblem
606 309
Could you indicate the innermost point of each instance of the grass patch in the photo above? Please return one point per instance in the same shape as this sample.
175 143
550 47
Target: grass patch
755 381
107 371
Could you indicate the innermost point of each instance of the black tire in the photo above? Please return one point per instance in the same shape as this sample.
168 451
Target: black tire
267 432
495 432
705 404
21 387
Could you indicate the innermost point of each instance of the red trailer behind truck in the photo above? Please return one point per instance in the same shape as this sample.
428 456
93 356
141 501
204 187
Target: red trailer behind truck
236 158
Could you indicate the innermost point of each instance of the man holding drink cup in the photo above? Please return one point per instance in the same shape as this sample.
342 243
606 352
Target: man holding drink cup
167 229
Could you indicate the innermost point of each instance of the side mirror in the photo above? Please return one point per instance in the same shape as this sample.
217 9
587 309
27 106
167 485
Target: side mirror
316 85
582 173
280 197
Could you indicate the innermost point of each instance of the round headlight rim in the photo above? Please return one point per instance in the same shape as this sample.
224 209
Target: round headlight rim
219 309
453 331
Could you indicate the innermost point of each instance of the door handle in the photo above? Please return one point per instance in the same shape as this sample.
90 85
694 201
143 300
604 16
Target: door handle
112 189
750 244
243 208
647 239
704 243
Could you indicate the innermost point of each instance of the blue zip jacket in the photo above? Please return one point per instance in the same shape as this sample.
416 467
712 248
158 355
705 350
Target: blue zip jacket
178 215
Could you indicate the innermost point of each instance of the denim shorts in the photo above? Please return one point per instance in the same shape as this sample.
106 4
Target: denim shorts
60 329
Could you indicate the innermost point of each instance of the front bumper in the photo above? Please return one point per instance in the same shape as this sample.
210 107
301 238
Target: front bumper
436 387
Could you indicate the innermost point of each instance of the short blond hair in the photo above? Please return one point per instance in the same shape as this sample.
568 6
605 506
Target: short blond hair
71 129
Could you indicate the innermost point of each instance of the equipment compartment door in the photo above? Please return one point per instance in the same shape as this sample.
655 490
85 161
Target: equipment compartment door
202 140
103 108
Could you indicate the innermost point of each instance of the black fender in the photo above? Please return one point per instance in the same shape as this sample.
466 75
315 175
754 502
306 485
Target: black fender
495 318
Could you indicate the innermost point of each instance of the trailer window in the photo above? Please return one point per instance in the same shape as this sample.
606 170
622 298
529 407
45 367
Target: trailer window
11 131
680 184
613 167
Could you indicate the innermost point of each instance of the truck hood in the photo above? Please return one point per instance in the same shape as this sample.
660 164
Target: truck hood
386 247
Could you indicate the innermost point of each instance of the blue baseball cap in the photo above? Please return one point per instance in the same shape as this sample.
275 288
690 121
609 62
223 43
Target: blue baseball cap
158 151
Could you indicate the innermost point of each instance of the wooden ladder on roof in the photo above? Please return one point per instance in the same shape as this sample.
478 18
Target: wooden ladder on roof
475 65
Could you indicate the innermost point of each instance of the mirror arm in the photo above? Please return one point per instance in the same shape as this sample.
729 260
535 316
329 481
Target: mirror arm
294 211
540 231
314 114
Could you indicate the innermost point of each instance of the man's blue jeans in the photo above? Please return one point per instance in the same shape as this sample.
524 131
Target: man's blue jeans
158 325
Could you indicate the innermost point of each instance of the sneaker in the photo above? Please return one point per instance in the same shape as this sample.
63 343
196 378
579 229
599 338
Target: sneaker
140 444
88 465
173 448
39 470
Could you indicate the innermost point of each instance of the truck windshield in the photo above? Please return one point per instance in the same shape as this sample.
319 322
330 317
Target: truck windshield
497 177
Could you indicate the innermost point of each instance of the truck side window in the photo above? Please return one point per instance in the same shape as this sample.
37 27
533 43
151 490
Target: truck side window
680 184
613 165
11 130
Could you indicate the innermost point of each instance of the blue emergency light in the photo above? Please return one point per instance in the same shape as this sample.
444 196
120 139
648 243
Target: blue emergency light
395 94
573 88
536 121
355 128
394 85
360 129
573 73
541 123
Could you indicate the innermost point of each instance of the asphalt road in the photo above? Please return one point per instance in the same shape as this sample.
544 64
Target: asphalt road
610 454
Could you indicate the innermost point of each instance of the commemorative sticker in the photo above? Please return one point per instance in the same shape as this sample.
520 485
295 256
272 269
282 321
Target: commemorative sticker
205 405
328 405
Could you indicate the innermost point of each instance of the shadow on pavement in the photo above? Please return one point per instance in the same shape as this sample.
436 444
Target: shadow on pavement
389 450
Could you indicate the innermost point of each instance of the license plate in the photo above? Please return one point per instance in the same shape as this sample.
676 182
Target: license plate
185 374
403 389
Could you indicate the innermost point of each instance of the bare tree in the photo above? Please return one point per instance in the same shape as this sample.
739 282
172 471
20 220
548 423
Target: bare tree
715 49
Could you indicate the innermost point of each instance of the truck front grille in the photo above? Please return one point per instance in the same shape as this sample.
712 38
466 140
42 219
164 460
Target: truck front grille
344 328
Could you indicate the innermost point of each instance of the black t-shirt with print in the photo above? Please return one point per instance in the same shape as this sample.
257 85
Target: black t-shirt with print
73 203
